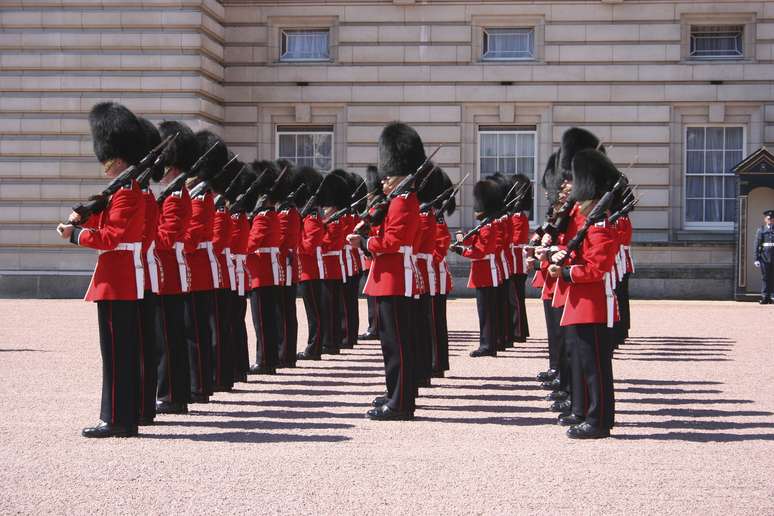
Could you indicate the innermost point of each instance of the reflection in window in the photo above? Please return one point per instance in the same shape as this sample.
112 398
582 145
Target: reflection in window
310 147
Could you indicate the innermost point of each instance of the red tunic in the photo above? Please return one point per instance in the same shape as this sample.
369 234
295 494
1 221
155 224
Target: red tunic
333 243
117 231
240 231
503 252
221 246
481 249
573 225
442 242
353 259
198 244
311 265
150 261
424 247
263 248
628 232
590 299
175 213
519 238
392 271
290 227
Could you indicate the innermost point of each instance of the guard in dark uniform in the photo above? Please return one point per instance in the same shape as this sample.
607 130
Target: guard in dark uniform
764 255
374 192
117 284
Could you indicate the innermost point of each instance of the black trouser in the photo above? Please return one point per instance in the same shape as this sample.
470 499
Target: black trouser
424 337
150 336
486 303
201 319
373 317
223 352
520 324
174 380
350 323
504 315
119 332
620 330
288 326
592 364
396 318
311 292
555 334
264 303
767 278
332 301
441 343
239 334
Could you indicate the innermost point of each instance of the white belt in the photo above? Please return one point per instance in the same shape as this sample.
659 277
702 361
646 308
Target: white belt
430 270
610 300
213 262
239 260
182 266
443 272
153 267
341 264
768 244
362 259
628 250
348 253
493 267
288 270
139 272
408 270
320 263
230 267
506 270
274 253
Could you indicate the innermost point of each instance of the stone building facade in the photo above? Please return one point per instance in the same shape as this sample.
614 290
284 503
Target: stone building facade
495 82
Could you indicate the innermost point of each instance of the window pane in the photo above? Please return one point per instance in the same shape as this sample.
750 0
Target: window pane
694 187
730 186
715 138
508 44
717 41
506 166
694 162
506 145
304 145
307 149
714 162
729 210
488 166
713 186
488 145
526 166
695 139
694 210
732 159
526 147
304 45
287 146
712 210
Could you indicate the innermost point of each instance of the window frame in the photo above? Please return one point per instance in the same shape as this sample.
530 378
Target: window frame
305 129
748 21
484 43
706 226
742 38
283 38
515 131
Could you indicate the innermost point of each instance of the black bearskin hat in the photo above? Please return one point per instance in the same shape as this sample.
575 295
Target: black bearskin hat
553 177
267 172
243 181
576 139
430 184
215 160
446 183
286 182
336 190
221 182
593 174
520 180
152 139
401 151
488 196
116 133
183 151
359 191
373 181
312 179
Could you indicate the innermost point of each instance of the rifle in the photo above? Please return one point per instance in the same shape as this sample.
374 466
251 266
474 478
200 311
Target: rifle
625 210
347 209
98 203
447 195
291 199
220 200
596 215
505 209
239 203
262 199
205 186
180 180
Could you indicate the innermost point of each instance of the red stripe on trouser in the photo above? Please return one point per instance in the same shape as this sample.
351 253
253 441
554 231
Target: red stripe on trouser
141 342
166 345
198 343
599 378
113 362
402 372
217 342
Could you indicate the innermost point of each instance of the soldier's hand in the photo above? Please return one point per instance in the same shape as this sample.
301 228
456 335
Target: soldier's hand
546 240
757 264
74 218
65 230
541 253
354 239
458 236
531 262
558 256
554 270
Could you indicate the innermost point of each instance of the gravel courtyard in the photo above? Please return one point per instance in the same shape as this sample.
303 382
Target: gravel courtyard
694 434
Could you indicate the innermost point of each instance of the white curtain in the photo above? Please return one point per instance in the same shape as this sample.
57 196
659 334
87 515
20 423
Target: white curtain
306 44
717 41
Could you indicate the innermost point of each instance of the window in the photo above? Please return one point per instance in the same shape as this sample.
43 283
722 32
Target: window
305 45
710 186
508 151
306 146
503 44
717 42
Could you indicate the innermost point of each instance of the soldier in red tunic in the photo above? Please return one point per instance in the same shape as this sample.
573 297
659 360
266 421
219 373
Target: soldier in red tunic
519 224
443 282
374 186
117 284
354 266
174 381
205 270
391 278
485 275
590 308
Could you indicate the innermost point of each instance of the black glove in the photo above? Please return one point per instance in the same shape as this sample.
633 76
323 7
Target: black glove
457 248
